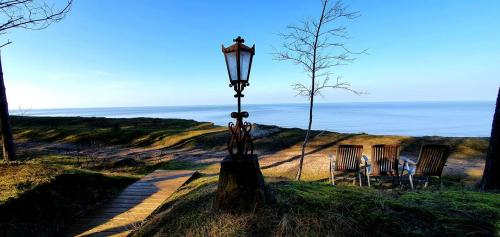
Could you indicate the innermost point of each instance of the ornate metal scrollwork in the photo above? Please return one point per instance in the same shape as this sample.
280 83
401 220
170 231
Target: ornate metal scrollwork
240 141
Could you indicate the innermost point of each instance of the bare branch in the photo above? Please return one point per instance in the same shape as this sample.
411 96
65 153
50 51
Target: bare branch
339 84
30 14
5 44
310 43
284 56
302 90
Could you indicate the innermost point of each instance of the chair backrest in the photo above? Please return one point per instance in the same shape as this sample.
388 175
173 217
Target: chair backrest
432 159
348 157
385 160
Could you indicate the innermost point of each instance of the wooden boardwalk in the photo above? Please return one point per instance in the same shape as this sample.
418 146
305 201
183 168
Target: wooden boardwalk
136 202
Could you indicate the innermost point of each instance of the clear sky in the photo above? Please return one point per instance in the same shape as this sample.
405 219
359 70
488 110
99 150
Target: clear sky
152 53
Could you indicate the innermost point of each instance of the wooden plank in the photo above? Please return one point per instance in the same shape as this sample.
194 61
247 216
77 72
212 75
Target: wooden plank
134 204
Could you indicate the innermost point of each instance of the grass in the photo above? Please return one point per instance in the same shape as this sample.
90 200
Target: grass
172 133
106 131
44 190
17 178
42 195
319 209
150 167
42 182
40 200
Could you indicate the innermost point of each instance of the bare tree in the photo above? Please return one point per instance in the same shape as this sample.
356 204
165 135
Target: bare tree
316 45
26 14
491 175
6 131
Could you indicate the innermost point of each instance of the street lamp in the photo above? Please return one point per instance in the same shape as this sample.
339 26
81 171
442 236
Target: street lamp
241 184
239 63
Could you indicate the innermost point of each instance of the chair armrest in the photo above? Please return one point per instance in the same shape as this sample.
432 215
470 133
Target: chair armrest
407 160
367 162
410 167
368 165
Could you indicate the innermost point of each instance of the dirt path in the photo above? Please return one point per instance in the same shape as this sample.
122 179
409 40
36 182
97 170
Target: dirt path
282 163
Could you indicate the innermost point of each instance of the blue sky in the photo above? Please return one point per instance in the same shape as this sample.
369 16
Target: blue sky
133 53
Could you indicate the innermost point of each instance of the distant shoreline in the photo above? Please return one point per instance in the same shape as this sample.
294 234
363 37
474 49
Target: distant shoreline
255 124
448 119
251 104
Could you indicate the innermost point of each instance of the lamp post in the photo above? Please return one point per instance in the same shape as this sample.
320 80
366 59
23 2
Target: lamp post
241 184
239 63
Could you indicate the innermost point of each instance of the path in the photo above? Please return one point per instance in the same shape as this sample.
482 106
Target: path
132 205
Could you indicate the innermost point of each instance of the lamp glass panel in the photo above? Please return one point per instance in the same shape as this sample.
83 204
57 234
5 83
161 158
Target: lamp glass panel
244 64
232 66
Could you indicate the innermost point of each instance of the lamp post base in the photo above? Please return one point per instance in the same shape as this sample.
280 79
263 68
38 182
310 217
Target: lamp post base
241 184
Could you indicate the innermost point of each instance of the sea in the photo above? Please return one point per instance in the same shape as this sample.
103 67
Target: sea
454 119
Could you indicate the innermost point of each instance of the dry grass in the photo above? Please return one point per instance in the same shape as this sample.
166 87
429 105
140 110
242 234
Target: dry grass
41 200
319 209
17 178
179 138
201 145
466 159
50 147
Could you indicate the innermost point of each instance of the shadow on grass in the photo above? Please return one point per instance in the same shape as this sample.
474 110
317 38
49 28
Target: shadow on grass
47 209
460 146
318 149
172 165
133 167
108 131
319 209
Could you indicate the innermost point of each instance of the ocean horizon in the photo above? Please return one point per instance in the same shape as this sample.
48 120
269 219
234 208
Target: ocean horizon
424 118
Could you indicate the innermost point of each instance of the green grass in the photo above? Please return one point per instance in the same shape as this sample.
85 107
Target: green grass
17 178
147 168
179 133
319 209
40 169
42 181
42 191
46 208
106 131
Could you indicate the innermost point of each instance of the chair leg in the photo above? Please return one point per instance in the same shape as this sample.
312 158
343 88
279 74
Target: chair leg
333 179
401 174
426 182
330 176
330 172
359 176
411 181
400 177
368 179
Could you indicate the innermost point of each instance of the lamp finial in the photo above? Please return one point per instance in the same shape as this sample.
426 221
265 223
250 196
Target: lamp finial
239 40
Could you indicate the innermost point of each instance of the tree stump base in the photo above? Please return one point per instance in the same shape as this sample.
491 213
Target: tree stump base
241 184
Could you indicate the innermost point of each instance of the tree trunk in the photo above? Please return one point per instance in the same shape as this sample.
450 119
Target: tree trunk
6 131
491 175
312 92
306 140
